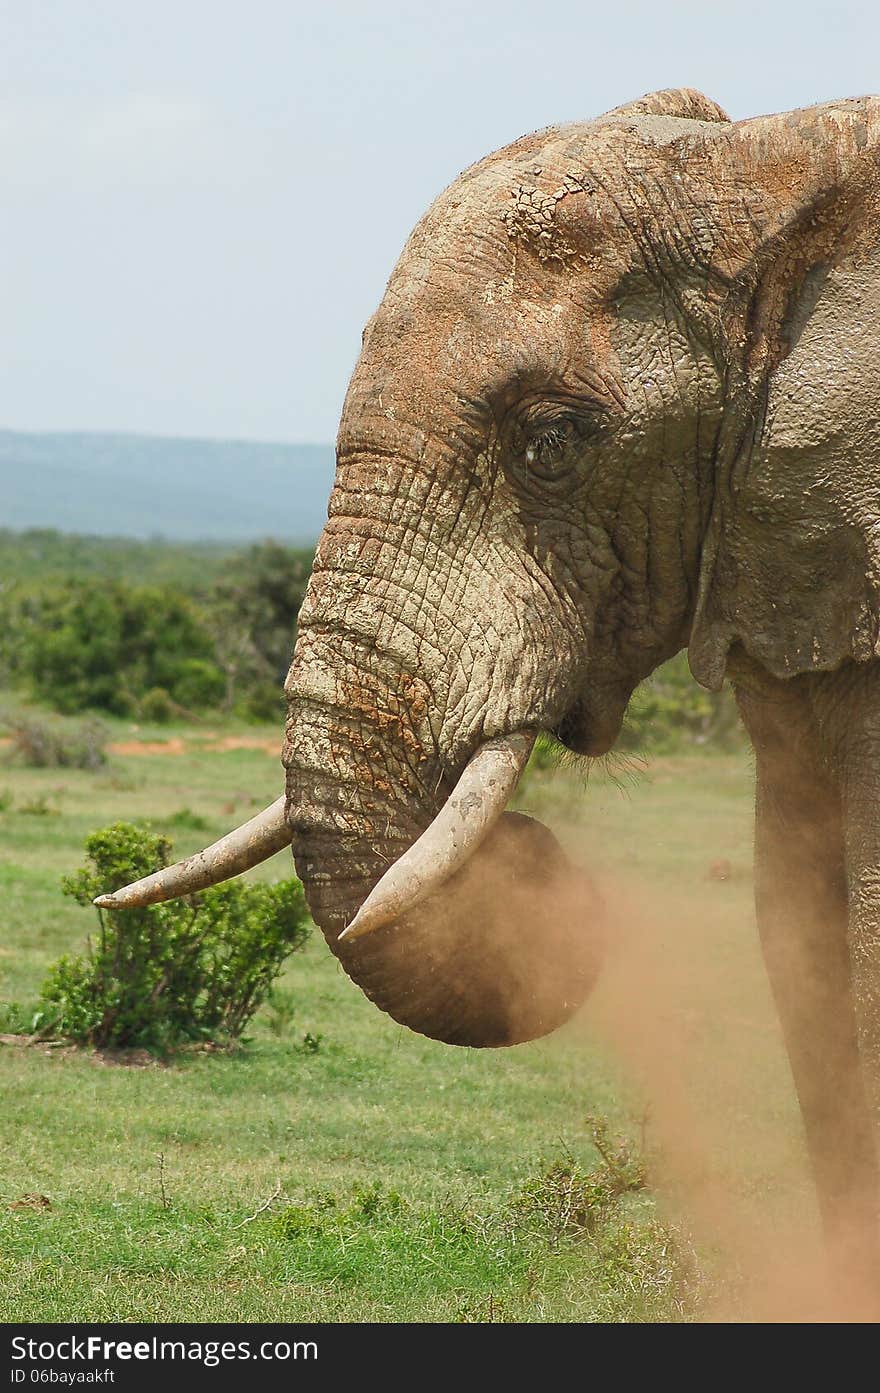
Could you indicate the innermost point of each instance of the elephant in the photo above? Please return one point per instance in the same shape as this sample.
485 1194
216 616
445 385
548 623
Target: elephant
618 400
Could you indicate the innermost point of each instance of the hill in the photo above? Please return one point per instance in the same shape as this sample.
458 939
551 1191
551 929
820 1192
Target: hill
149 486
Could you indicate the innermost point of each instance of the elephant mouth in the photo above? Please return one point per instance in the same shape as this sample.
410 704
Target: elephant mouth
586 731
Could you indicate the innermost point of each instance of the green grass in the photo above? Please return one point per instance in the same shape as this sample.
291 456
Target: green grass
398 1166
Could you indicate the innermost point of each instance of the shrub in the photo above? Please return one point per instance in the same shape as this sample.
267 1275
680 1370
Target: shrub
670 710
106 644
47 744
187 820
199 683
264 702
570 1200
158 977
156 706
280 1011
39 806
16 1019
252 614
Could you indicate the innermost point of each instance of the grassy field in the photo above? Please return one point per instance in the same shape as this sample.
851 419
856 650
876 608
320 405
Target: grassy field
340 1168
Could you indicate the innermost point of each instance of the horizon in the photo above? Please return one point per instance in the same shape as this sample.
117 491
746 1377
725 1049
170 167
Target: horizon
123 434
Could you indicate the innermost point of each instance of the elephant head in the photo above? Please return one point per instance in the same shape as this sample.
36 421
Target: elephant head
543 491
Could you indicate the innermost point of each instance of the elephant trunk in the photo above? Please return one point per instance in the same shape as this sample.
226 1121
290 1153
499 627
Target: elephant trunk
505 951
467 816
476 931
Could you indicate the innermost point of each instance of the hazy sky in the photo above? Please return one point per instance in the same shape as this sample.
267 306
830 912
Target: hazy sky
203 199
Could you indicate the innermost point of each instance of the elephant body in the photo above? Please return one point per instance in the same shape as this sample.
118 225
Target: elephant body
619 399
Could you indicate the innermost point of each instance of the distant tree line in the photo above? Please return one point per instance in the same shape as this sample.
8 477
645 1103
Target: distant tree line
41 554
83 642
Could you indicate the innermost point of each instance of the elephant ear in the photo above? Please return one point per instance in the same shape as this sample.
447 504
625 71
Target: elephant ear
685 102
791 563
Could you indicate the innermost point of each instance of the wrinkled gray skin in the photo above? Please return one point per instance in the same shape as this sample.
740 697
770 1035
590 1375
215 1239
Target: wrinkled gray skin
620 398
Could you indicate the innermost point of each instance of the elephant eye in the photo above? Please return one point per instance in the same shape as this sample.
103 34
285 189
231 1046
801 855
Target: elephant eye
547 450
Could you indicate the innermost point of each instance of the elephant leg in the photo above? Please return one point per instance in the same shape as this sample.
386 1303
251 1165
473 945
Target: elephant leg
801 900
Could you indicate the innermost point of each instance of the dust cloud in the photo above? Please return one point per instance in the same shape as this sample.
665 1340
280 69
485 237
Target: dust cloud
683 1010
676 997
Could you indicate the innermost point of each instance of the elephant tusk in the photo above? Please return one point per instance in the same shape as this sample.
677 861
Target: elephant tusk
247 846
475 804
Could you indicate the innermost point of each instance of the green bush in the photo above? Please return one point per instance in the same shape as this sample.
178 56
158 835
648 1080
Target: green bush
264 702
670 710
199 683
252 613
188 970
156 706
81 639
106 644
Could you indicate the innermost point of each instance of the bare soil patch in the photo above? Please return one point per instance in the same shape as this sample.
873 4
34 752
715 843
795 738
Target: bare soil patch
178 746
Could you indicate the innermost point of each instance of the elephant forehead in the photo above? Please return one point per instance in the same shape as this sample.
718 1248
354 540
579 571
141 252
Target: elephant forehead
510 272
530 206
520 186
500 326
475 316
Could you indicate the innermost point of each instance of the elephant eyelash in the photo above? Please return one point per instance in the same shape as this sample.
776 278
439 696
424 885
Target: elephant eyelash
542 442
545 450
546 442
